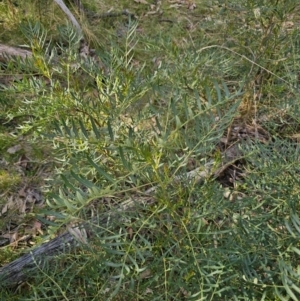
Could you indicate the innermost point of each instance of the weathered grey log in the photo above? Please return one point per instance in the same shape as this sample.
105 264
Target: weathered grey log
6 50
19 270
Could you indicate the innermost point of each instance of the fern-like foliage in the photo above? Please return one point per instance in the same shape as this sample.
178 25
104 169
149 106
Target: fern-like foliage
125 137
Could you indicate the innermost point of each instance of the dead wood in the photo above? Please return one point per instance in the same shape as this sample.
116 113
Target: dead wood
65 9
19 270
7 51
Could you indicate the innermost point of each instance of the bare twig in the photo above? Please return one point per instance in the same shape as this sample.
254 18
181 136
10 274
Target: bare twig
65 9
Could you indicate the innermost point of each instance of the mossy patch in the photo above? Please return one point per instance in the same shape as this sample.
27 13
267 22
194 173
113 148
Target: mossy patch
8 179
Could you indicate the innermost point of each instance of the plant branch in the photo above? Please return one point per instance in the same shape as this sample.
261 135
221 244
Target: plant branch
65 9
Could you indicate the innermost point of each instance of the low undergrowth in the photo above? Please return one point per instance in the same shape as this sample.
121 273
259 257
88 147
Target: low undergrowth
177 147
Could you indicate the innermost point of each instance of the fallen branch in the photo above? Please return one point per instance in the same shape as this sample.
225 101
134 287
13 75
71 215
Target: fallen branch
65 9
7 51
